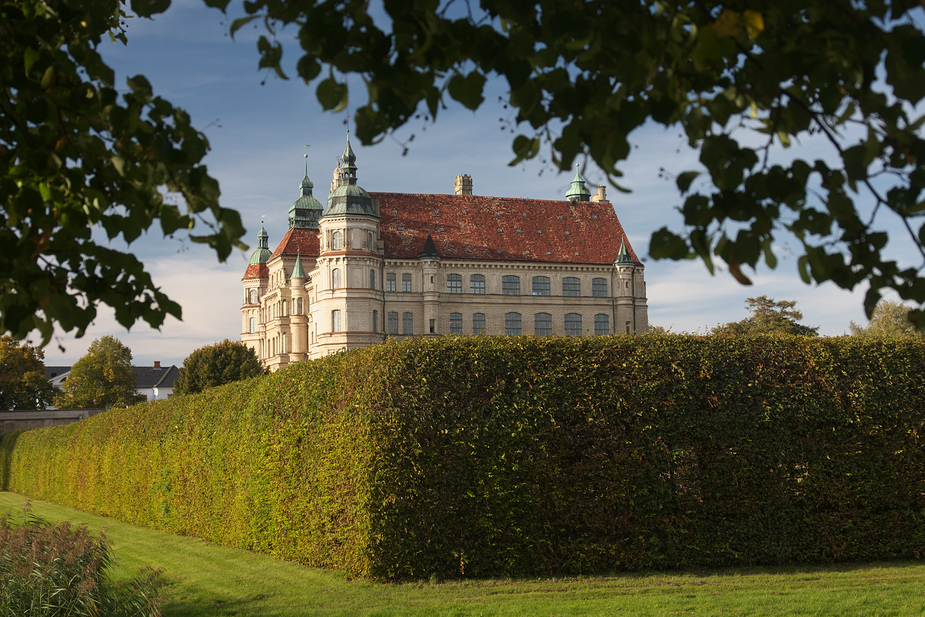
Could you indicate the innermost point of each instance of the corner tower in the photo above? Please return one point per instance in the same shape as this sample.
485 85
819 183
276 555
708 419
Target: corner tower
255 282
348 312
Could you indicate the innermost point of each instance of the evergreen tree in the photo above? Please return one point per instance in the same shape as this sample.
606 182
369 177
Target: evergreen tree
768 317
102 378
22 377
216 365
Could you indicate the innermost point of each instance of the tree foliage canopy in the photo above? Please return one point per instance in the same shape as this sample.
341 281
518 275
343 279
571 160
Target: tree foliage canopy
81 164
216 365
741 80
22 377
890 320
768 316
102 378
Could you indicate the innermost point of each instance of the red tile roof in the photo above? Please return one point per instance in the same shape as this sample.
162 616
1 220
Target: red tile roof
256 271
501 228
304 242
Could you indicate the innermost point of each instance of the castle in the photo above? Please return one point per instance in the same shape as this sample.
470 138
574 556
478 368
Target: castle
378 265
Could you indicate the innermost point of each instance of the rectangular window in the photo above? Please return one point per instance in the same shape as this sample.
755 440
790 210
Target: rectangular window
335 277
407 323
372 279
335 321
601 324
477 284
433 326
406 282
542 324
571 286
253 324
478 323
390 281
510 285
599 288
393 323
454 283
573 324
512 324
455 323
540 285
375 321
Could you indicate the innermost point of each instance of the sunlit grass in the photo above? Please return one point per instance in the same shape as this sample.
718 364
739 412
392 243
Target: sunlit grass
211 580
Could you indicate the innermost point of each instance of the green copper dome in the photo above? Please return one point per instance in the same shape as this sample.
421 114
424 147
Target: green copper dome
347 197
262 254
305 212
578 192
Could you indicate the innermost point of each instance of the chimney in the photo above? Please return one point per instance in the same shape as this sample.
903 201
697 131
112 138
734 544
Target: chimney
463 184
601 194
157 364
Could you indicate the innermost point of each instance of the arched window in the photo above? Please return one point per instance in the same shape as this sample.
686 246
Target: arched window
336 321
455 323
478 323
337 240
540 285
372 278
599 288
335 277
512 324
393 322
252 299
298 306
454 284
510 285
573 324
375 321
407 323
601 324
253 325
571 286
477 284
542 324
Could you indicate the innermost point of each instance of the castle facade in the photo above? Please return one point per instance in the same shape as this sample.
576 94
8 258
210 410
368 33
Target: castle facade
372 266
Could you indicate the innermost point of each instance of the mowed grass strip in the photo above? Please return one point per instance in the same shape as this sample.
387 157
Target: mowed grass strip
211 580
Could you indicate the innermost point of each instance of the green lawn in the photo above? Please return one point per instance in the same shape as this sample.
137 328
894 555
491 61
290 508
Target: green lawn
212 580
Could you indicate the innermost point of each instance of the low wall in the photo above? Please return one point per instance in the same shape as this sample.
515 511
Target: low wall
25 420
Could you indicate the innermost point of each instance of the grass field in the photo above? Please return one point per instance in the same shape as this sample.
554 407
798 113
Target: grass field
212 580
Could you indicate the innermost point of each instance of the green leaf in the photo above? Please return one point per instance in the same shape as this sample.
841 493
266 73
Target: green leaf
147 8
468 89
332 95
685 179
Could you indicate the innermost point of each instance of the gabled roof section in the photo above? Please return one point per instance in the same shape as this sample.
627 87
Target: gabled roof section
299 242
155 377
501 228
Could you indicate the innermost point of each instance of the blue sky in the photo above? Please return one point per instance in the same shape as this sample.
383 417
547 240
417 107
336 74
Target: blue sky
258 126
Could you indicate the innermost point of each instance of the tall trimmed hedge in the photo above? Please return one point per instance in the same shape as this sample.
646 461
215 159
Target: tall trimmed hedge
520 456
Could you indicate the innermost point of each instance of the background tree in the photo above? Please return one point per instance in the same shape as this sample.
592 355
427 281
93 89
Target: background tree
890 320
768 317
216 365
102 378
740 80
22 376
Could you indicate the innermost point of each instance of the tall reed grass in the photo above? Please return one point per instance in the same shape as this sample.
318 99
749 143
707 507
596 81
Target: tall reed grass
60 570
